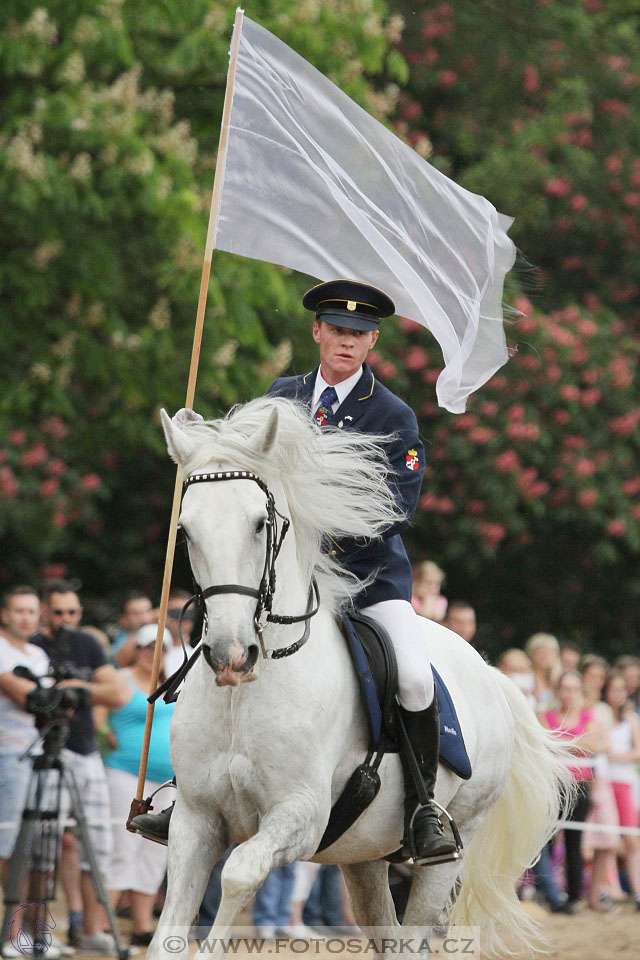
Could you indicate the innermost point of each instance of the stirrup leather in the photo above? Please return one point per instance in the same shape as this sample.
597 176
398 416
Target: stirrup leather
432 861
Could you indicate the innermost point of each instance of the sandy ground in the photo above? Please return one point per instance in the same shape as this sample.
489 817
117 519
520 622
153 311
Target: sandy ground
591 935
587 936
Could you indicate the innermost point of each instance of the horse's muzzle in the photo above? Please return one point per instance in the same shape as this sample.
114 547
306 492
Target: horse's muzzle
233 667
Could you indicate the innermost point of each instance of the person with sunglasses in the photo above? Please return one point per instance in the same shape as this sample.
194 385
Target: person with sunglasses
80 659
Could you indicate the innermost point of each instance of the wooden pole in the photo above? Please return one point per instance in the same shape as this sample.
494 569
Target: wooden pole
191 388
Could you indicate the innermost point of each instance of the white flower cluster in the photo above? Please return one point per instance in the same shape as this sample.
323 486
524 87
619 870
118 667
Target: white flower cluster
223 357
72 71
160 315
215 19
41 26
279 360
21 157
45 253
178 140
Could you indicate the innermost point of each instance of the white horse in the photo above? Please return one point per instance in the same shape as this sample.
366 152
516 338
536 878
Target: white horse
260 764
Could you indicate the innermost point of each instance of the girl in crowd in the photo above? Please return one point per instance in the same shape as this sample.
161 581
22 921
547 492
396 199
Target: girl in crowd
544 652
517 665
427 584
137 866
630 667
573 721
624 755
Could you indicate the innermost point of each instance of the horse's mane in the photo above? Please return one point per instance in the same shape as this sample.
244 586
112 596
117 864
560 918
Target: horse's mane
334 481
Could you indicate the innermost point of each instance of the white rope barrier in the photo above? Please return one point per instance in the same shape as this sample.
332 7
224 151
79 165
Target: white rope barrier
560 825
600 827
70 822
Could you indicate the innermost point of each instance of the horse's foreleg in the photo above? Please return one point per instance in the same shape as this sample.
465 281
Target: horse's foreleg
286 834
429 894
371 900
196 843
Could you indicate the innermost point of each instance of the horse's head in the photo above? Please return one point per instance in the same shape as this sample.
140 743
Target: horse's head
271 457
226 526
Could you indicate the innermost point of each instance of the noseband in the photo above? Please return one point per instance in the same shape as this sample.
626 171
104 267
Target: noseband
265 592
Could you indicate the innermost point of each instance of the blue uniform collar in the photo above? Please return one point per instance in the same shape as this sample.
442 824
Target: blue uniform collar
354 404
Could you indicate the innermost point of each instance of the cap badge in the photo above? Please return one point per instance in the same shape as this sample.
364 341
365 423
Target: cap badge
351 304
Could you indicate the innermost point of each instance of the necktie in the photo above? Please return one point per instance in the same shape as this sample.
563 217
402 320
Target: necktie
327 398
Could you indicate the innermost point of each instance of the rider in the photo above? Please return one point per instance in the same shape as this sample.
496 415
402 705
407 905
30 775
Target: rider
342 391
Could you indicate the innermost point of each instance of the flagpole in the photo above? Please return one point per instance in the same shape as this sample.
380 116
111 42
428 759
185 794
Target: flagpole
191 388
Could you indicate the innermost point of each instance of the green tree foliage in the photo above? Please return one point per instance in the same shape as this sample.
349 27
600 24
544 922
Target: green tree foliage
109 121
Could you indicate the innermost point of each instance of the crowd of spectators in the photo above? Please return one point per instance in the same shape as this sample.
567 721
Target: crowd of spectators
47 635
578 694
595 704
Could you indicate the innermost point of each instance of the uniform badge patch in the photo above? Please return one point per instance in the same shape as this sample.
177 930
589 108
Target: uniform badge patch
413 461
322 416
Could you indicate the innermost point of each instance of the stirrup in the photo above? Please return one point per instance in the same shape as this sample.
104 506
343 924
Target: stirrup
167 783
133 827
438 858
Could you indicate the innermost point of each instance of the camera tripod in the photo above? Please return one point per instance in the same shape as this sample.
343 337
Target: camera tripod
36 853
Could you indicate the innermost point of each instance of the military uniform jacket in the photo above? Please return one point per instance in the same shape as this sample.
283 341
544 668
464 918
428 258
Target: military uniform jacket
372 408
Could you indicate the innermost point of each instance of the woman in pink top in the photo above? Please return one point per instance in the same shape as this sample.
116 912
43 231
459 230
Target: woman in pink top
572 721
624 755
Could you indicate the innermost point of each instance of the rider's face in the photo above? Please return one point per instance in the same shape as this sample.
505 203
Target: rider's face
342 351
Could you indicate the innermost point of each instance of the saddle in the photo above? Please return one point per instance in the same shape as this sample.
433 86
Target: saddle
374 662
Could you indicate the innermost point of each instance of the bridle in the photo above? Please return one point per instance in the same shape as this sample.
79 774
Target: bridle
265 592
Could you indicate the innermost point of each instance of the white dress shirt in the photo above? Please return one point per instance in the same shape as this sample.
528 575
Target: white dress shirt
343 389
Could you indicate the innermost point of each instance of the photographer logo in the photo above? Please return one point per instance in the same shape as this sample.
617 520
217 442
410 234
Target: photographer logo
37 943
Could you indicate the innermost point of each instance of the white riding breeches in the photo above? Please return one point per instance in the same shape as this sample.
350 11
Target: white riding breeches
406 629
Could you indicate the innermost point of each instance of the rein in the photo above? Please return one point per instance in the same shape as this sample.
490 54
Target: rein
265 592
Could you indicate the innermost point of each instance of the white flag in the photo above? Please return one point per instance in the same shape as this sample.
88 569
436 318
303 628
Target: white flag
312 182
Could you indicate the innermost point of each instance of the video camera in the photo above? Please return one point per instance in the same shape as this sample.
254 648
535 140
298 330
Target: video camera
61 654
52 703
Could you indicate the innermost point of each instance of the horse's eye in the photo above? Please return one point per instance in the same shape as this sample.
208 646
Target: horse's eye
260 525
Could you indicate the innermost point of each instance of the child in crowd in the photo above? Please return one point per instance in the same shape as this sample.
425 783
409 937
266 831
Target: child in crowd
427 599
544 651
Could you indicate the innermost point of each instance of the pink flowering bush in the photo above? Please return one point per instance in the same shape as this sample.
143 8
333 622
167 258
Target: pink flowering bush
48 502
539 114
532 497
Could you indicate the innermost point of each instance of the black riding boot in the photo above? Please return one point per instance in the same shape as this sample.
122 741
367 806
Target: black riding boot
430 845
154 826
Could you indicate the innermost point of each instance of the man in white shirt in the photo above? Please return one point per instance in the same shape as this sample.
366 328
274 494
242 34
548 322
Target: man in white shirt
19 619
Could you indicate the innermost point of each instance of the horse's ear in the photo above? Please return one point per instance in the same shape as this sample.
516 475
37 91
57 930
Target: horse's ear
267 439
178 444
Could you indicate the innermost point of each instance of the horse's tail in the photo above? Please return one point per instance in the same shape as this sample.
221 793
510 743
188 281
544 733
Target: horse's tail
539 787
